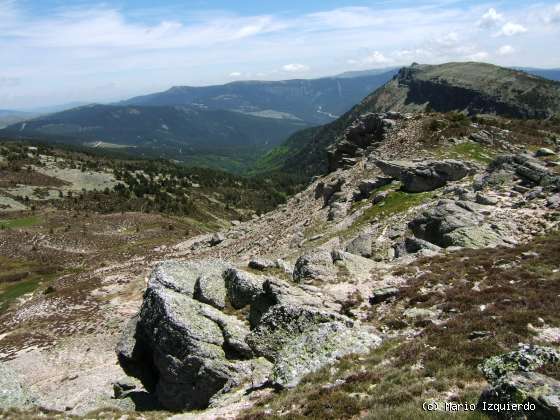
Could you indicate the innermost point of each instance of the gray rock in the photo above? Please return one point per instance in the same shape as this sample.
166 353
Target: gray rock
361 245
192 347
211 289
528 358
366 186
394 168
543 151
433 175
420 314
217 238
242 287
326 191
413 245
284 266
486 200
482 136
379 197
317 265
124 386
523 389
553 201
337 211
261 264
12 392
383 294
527 168
454 224
323 344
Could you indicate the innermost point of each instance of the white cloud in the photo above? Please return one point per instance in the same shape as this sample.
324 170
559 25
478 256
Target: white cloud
295 67
490 19
376 58
63 54
554 15
510 29
235 74
478 56
506 50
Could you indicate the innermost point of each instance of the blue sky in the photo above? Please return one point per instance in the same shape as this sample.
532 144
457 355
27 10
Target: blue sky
54 51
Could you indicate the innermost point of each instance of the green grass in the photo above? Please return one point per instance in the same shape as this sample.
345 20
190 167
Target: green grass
469 151
36 274
395 203
21 222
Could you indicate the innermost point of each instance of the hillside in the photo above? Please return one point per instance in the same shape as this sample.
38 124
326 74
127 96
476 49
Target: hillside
472 88
412 273
315 101
218 138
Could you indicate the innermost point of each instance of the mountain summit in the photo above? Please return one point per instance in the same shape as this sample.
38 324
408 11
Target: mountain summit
471 88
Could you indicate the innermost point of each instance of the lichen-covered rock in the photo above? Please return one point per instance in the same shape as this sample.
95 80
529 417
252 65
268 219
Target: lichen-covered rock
242 287
527 168
12 392
452 223
316 265
211 289
523 395
192 346
321 345
283 323
526 359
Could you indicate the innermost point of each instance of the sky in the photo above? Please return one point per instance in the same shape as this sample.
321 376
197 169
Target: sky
54 51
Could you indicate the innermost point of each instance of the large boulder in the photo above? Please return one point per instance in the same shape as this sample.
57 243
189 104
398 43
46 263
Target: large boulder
190 347
315 266
321 345
433 175
242 287
514 385
394 168
528 395
452 223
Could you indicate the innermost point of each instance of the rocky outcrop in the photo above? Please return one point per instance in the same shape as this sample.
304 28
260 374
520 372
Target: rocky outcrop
367 130
433 175
190 353
524 167
366 186
315 266
523 393
428 176
452 223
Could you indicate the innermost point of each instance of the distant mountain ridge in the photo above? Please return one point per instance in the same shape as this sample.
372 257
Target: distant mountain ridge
467 87
190 134
315 101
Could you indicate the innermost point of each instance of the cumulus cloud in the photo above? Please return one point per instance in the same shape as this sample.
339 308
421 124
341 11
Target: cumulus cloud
511 29
506 50
490 19
295 67
62 54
